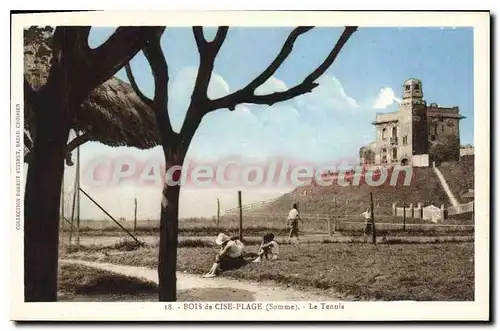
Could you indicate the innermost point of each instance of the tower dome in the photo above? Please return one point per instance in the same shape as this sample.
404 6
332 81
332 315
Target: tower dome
413 89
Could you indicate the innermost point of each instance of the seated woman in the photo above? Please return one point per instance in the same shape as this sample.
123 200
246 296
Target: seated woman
229 257
268 247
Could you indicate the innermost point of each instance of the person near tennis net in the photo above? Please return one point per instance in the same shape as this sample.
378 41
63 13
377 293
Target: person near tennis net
293 222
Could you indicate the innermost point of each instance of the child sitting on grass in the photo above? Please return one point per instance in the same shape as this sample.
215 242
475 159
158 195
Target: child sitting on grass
268 247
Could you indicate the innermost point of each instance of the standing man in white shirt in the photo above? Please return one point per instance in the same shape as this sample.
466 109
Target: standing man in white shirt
368 223
293 222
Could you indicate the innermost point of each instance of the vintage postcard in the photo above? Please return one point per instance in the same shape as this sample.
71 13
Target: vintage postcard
242 166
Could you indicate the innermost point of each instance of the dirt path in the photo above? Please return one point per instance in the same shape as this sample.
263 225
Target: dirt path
213 289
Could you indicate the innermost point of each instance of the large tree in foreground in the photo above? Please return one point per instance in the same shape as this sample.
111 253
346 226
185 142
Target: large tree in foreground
75 71
112 114
175 145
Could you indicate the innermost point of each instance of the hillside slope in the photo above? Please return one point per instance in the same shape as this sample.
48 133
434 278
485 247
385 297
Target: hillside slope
424 188
459 176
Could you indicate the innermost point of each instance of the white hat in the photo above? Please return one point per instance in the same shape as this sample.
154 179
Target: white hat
222 238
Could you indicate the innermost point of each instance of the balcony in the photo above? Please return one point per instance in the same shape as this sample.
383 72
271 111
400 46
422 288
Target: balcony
394 140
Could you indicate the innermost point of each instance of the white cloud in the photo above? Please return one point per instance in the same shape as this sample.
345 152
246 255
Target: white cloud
270 86
181 89
327 98
338 88
386 97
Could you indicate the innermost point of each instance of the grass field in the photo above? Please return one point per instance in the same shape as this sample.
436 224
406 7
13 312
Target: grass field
390 272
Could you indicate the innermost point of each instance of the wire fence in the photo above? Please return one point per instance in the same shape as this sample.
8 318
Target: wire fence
329 223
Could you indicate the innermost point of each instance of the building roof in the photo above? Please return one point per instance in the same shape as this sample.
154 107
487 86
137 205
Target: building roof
446 112
412 81
386 118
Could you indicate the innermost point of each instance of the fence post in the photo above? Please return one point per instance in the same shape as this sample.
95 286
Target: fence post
78 197
393 209
473 213
442 212
404 215
334 221
135 215
241 216
218 212
374 236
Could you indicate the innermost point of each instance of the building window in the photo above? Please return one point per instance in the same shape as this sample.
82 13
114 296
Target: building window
407 87
384 155
394 136
394 154
405 140
435 128
442 127
384 133
433 137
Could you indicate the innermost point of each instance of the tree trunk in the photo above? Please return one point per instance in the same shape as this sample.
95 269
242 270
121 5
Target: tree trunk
169 229
42 200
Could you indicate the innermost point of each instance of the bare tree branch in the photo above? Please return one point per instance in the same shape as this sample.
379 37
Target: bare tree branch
208 51
198 36
220 36
215 44
136 88
119 49
348 31
72 55
247 94
159 67
280 58
79 140
72 145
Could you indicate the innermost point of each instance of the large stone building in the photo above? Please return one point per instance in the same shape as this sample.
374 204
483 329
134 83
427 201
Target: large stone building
416 134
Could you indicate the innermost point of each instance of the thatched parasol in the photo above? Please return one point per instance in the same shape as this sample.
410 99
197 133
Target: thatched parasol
113 114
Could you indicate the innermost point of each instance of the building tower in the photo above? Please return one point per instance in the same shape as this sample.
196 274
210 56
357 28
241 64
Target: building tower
416 134
412 120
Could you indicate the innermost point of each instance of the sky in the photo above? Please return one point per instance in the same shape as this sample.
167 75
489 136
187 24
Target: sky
330 123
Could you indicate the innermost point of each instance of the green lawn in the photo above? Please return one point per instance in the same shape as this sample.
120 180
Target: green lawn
359 271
